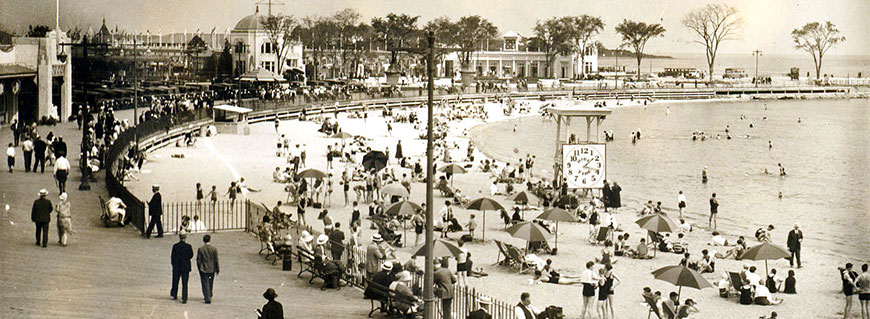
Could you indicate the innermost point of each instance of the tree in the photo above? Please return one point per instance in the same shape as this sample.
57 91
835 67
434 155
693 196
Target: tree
395 31
38 31
581 32
225 61
636 34
552 38
817 39
346 23
312 31
471 31
279 30
714 23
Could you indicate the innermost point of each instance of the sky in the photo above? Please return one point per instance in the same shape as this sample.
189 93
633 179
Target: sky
768 23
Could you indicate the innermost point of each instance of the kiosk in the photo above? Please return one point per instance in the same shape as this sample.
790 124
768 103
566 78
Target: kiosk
581 164
231 119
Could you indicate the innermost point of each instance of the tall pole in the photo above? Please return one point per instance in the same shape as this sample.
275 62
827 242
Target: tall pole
756 53
616 71
429 269
57 16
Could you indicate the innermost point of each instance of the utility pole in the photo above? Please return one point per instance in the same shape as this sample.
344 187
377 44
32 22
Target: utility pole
135 91
429 269
756 53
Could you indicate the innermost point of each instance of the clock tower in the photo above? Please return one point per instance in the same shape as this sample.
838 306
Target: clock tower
583 163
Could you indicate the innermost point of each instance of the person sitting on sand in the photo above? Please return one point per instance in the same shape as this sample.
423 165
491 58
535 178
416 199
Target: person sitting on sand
642 251
719 240
790 282
762 234
763 297
684 310
679 245
620 246
685 226
707 263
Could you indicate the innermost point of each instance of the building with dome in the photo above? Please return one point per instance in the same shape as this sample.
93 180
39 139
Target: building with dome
253 49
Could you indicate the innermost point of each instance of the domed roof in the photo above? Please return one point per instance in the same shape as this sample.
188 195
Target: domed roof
249 23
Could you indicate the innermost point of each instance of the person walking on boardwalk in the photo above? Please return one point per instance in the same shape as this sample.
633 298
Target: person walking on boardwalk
795 237
39 147
61 172
40 214
182 253
272 309
10 157
207 263
64 220
155 210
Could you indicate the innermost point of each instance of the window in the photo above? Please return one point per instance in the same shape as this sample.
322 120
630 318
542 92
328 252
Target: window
510 43
266 48
292 63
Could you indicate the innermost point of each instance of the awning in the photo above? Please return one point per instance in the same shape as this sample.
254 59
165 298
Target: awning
8 71
262 75
232 108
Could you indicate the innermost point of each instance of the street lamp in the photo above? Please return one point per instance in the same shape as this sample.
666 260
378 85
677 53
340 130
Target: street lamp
756 53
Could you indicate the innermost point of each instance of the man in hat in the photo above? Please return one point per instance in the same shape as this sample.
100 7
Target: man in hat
40 214
155 210
272 309
383 279
320 249
181 255
207 263
482 311
374 255
444 281
39 147
795 237
336 242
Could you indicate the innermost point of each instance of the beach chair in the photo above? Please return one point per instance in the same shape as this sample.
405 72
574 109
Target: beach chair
736 281
507 261
653 309
520 260
603 234
670 313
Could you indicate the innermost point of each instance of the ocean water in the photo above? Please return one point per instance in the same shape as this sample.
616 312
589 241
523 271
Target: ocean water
826 157
768 64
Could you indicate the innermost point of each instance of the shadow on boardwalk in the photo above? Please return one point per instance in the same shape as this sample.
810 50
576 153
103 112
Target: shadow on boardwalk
114 273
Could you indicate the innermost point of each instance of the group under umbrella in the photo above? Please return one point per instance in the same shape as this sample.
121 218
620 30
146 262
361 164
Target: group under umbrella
658 223
529 231
765 251
484 204
557 215
681 276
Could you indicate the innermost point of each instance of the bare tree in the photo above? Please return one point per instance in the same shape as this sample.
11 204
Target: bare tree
279 29
817 39
714 23
636 34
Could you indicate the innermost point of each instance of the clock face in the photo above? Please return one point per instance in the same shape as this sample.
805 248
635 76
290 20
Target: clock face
583 166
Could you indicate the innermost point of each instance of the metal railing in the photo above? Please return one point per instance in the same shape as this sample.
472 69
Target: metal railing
205 215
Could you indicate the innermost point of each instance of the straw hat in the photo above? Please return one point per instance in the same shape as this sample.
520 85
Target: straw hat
63 196
377 237
43 192
388 266
403 275
306 237
322 239
155 187
484 301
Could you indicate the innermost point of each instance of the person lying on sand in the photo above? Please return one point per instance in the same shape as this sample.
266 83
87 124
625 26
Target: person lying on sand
555 278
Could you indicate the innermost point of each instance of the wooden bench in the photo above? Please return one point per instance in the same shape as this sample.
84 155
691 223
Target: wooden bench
309 264
388 299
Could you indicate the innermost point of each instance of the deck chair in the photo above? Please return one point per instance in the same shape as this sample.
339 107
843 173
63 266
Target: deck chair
519 259
503 252
653 309
670 313
603 234
736 281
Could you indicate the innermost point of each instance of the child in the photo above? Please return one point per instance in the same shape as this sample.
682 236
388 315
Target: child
472 225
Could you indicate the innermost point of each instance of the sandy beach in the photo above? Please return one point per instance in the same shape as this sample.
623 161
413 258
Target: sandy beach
220 159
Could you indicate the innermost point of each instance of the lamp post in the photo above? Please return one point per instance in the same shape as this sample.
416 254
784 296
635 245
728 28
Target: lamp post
756 53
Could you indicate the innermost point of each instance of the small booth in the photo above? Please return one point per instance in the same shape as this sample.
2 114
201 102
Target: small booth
231 119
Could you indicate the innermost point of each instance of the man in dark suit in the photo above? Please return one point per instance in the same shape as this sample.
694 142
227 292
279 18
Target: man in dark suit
207 262
181 255
155 210
444 280
795 237
40 214
483 311
39 147
59 147
336 242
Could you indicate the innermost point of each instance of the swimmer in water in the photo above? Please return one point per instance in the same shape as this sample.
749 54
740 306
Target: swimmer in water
750 125
727 128
799 120
766 172
781 169
667 111
718 137
769 145
780 195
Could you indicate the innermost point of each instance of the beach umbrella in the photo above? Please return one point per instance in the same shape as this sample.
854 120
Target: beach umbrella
681 276
403 208
658 223
557 215
440 248
529 231
484 204
394 189
569 201
765 251
524 198
311 173
453 169
342 135
374 161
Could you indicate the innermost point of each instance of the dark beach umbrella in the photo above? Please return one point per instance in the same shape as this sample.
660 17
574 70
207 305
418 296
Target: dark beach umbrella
681 276
557 215
403 208
440 249
658 223
765 251
374 161
453 169
484 204
528 231
311 173
568 201
522 197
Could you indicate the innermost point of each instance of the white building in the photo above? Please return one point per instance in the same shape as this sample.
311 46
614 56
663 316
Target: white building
36 79
509 56
257 51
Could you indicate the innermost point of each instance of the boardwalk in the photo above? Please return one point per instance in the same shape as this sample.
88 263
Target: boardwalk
114 273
